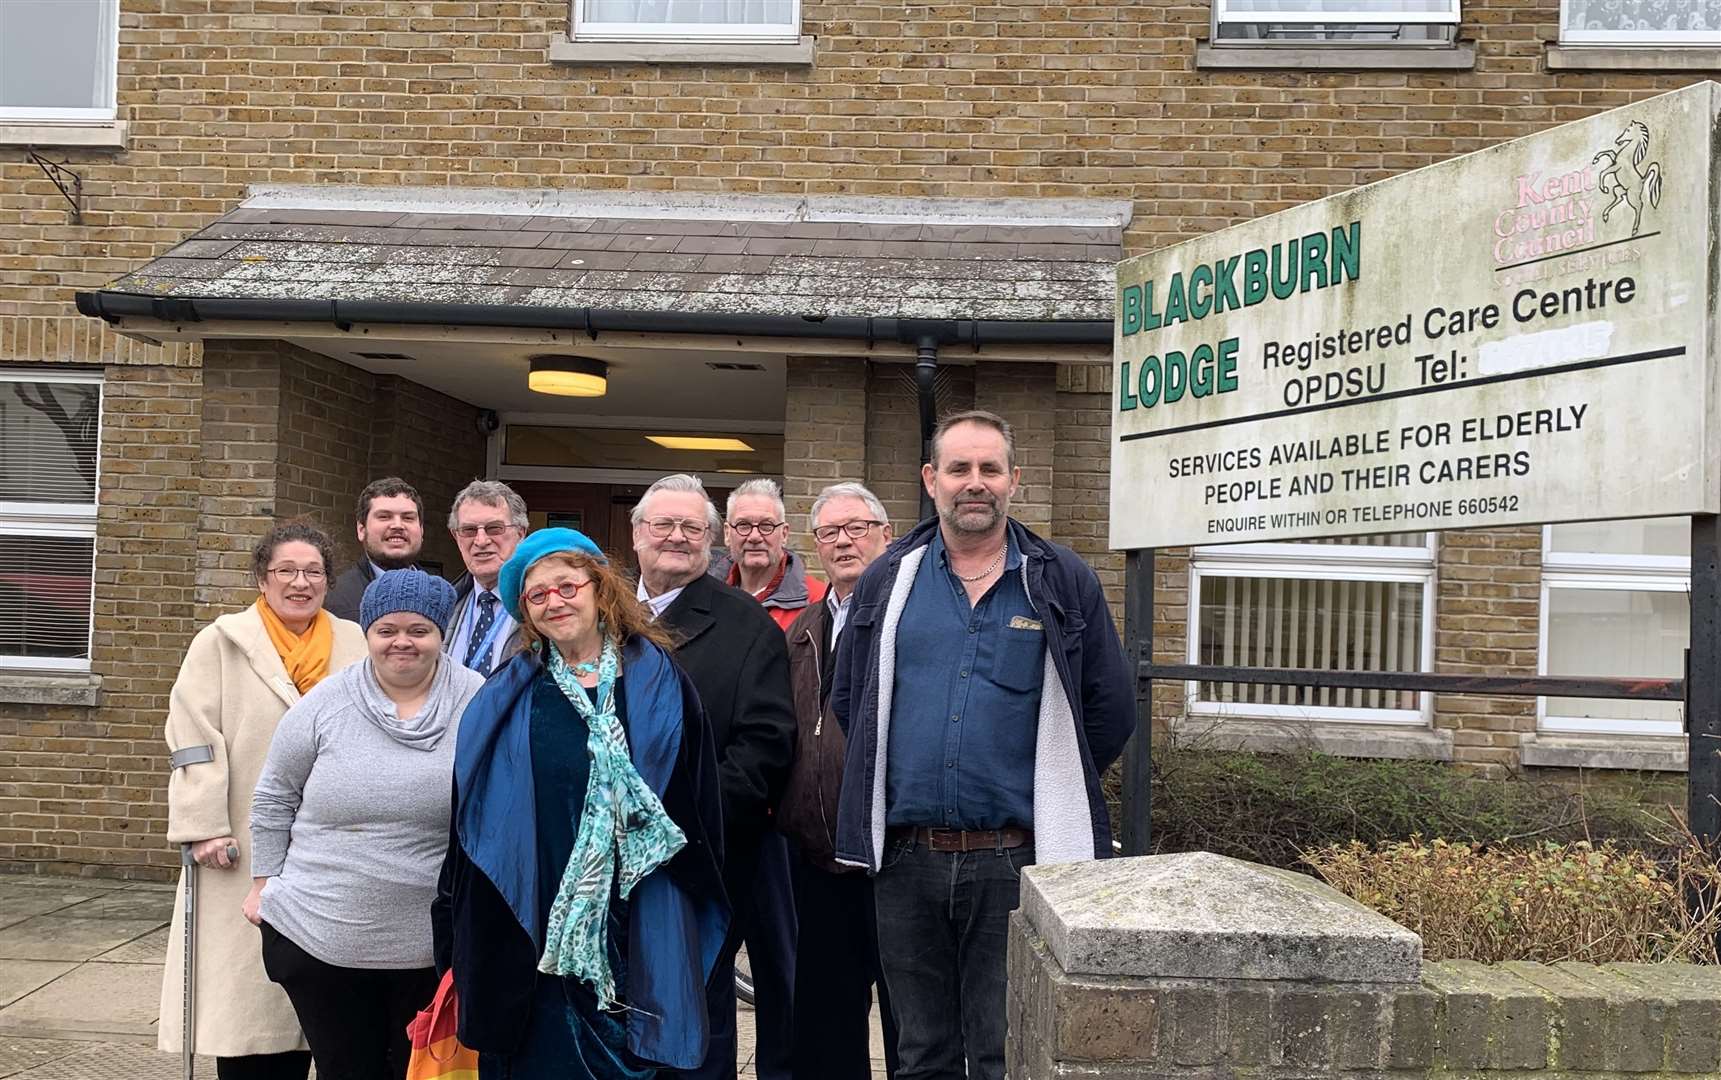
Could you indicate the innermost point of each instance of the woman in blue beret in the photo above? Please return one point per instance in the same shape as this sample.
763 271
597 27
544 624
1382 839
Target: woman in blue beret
581 904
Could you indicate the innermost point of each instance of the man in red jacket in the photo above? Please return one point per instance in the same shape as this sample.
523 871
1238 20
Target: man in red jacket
757 532
836 959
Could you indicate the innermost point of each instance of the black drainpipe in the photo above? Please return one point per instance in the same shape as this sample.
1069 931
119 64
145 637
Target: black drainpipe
925 372
926 335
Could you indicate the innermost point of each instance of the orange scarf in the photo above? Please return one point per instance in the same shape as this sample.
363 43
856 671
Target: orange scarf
306 657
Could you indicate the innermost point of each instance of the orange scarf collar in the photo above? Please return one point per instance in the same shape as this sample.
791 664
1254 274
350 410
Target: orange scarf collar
306 657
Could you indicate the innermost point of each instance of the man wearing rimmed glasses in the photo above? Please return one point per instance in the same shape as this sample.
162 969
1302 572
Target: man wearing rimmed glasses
736 657
757 531
836 955
487 521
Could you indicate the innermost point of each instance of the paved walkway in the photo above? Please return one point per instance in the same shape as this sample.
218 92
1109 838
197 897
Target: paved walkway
80 981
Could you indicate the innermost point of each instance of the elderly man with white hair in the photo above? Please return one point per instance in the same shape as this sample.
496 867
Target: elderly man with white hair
836 956
737 659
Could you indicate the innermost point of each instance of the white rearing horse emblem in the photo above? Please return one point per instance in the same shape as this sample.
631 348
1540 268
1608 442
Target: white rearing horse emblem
1626 178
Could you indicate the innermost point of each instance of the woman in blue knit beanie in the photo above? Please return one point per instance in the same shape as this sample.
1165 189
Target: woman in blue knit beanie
581 907
347 832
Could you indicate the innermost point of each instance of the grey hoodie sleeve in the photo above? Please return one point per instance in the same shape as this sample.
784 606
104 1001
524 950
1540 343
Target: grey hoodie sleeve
281 788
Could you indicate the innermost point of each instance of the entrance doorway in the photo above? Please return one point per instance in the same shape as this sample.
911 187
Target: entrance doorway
598 510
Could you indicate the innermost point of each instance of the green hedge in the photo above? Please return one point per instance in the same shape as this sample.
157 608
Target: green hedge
1272 808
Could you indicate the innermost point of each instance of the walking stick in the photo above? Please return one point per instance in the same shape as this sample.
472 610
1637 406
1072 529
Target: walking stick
188 1034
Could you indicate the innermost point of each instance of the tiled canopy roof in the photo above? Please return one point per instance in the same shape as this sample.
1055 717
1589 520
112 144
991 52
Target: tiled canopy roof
764 255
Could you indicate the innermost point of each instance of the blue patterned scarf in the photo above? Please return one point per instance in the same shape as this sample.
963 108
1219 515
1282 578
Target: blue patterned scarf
622 821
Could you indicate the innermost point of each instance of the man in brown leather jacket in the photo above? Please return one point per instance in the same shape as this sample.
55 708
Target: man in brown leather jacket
836 961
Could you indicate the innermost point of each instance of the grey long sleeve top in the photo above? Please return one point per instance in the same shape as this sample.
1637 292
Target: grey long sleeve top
350 819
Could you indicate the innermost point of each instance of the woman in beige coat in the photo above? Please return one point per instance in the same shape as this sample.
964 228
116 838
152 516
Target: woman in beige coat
240 675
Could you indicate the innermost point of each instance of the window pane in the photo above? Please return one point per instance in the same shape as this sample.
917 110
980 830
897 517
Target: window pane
1645 536
1310 623
1369 8
1616 632
1701 19
716 12
48 434
57 54
45 596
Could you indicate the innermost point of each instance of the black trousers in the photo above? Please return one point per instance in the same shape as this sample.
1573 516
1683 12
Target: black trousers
836 968
287 1065
354 1018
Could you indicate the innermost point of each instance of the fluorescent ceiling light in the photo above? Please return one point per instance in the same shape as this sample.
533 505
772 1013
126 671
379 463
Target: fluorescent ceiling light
700 442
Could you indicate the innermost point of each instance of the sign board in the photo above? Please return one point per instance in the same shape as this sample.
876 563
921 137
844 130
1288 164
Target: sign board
1519 335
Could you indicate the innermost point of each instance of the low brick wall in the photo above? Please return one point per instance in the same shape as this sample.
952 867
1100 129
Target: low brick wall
1461 1019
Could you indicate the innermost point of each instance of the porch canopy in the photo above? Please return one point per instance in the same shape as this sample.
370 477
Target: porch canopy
883 270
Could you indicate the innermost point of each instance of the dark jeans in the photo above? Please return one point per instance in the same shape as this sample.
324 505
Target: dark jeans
942 927
354 1018
763 902
287 1065
836 966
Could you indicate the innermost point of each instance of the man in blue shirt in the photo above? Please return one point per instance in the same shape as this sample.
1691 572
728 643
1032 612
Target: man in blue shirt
984 691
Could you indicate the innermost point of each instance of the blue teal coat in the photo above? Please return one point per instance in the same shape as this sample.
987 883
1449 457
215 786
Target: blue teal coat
487 917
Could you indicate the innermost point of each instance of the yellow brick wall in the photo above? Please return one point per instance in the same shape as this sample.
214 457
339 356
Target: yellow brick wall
954 99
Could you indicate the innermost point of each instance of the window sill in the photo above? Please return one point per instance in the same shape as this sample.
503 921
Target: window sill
108 136
1640 753
564 51
1632 58
77 690
1337 57
1337 738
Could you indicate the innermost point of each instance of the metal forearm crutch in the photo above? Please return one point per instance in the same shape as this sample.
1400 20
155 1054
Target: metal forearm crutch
179 759
188 1032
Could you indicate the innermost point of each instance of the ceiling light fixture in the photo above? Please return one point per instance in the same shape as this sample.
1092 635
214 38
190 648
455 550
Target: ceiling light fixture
700 442
568 376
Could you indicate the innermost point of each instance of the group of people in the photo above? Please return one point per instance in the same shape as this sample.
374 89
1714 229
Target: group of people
582 791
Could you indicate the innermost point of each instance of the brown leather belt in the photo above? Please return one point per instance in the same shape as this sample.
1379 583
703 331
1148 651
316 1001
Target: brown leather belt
957 840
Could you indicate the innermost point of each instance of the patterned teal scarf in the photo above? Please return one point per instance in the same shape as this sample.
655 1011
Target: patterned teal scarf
621 816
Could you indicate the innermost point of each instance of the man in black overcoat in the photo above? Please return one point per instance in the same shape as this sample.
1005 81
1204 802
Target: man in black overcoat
739 663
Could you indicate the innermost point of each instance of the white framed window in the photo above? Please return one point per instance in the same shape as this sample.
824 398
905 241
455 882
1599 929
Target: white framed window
1640 22
1346 22
1616 602
50 449
1361 604
713 21
59 60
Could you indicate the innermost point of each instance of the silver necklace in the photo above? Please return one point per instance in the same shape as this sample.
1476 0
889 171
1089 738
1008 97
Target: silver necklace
986 573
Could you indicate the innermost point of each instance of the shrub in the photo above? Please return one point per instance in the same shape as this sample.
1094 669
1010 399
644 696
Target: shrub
1546 902
1271 808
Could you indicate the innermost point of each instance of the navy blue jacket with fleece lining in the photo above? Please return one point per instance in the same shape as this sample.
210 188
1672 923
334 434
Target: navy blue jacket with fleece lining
1087 705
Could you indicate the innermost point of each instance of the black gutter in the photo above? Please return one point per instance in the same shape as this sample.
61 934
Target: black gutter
114 306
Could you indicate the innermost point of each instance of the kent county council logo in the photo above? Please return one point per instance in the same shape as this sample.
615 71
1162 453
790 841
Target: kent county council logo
1626 178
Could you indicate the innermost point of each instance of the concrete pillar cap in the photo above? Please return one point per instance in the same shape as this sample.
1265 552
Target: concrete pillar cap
1205 916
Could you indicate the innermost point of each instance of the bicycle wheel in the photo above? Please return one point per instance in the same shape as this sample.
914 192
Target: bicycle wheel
743 977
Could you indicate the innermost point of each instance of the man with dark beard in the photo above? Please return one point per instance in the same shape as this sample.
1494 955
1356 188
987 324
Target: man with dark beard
391 534
984 691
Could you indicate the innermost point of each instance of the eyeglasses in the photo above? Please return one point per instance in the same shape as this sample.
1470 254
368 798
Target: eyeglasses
495 530
765 528
690 528
824 534
286 574
567 590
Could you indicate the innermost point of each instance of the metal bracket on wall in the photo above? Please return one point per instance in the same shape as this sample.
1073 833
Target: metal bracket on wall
71 185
